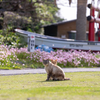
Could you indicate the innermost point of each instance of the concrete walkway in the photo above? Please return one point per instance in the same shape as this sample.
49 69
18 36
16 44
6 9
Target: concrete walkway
41 71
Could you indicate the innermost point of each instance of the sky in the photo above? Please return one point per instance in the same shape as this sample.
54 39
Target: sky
65 9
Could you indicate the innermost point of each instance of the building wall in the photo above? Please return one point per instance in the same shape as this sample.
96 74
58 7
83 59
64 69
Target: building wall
64 28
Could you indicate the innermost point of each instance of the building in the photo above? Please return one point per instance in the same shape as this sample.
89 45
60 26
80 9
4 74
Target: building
65 29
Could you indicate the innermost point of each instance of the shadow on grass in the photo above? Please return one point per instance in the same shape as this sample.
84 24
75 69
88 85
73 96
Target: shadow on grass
97 91
53 81
47 81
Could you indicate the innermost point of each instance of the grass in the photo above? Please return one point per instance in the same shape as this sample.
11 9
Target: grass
82 86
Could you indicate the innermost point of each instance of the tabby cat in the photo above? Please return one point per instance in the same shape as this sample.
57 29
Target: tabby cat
53 71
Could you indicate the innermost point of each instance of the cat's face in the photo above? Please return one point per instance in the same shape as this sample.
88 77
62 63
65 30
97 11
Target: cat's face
46 62
54 61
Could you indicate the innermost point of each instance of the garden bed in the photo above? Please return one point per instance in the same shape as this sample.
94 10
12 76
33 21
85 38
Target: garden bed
14 58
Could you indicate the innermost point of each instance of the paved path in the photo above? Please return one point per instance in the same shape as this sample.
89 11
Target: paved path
41 71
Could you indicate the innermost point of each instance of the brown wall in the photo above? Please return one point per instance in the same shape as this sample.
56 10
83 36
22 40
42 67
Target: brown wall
64 28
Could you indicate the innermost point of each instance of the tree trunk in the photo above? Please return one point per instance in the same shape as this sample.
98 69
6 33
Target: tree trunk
55 2
81 20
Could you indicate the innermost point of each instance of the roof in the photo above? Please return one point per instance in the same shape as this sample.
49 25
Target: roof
58 23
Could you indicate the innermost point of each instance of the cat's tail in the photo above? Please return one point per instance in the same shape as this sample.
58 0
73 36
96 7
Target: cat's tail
66 78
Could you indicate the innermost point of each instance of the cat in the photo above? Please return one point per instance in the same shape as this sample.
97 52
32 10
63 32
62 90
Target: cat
54 61
53 71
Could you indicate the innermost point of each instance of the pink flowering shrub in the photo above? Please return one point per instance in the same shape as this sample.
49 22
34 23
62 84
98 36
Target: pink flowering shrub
72 58
6 58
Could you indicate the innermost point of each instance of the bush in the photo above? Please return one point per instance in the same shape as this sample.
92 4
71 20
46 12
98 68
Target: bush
12 39
15 58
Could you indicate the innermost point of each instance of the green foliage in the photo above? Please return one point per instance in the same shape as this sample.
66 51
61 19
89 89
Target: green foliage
40 13
11 39
28 60
8 63
32 16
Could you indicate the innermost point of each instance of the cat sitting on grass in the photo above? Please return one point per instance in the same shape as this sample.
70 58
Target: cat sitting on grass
54 71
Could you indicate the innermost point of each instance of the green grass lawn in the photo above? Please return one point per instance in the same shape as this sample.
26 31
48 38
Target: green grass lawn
82 86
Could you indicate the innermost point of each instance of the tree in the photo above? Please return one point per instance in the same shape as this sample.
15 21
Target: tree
81 20
40 12
29 15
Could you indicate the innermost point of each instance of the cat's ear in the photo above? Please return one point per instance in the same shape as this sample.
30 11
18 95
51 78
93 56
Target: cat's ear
56 60
51 59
